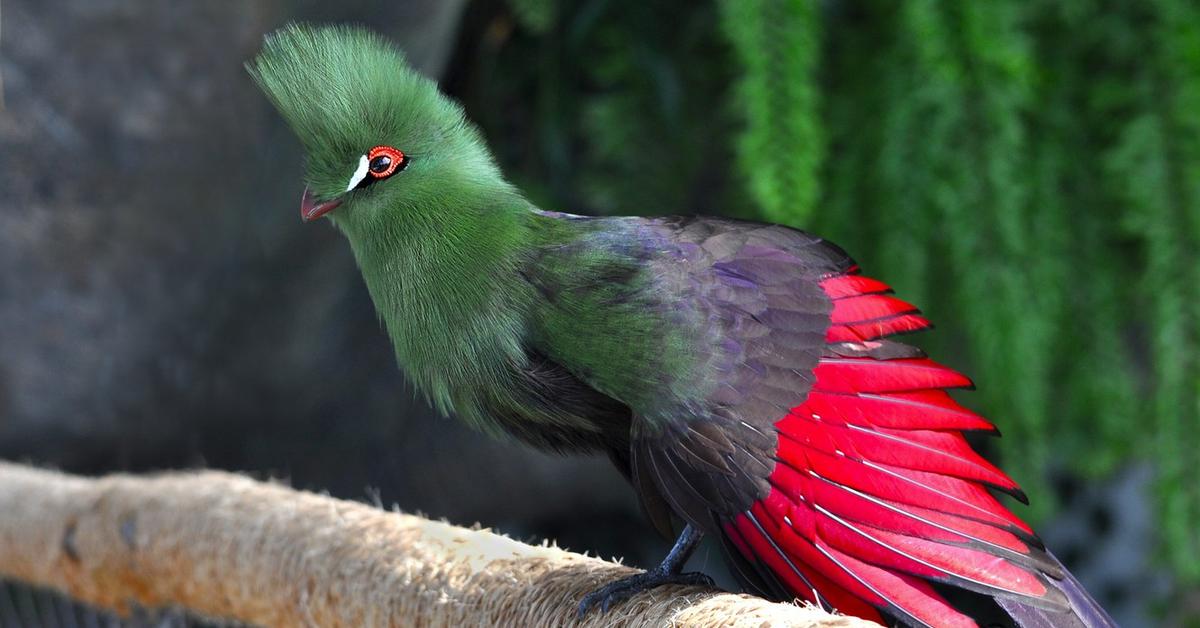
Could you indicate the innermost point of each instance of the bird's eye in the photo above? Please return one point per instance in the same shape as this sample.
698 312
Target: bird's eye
385 161
378 164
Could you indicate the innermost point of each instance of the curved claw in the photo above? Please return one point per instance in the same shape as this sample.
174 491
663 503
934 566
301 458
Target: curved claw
625 588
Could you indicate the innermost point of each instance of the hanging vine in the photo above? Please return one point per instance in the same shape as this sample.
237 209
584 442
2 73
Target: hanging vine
780 148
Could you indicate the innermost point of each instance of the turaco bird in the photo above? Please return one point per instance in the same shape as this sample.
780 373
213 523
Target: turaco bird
744 377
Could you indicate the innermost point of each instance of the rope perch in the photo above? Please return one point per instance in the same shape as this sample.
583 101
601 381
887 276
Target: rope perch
226 546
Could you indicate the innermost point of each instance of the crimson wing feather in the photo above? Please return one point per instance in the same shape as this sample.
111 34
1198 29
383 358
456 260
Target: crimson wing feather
831 459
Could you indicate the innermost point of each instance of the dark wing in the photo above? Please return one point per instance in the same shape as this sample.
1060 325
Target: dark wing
831 459
756 288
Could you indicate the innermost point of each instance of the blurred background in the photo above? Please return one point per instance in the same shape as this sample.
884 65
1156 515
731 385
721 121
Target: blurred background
1026 171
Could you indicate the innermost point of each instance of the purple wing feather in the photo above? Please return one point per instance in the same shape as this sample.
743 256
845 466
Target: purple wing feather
1086 613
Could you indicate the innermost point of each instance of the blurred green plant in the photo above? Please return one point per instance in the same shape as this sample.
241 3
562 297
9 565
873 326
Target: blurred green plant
780 147
1028 172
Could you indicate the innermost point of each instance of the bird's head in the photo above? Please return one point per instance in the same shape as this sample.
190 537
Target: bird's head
382 142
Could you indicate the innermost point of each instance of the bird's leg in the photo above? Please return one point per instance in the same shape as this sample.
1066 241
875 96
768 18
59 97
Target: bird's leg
667 572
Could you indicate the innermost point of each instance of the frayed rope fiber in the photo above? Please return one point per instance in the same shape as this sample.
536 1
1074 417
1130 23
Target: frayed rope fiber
226 546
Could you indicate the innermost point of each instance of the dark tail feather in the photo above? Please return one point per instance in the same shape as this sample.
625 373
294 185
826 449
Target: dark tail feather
1084 613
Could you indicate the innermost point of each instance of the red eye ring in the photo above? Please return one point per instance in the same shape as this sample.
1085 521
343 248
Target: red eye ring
384 161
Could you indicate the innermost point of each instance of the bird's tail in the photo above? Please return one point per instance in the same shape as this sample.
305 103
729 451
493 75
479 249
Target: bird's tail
1084 613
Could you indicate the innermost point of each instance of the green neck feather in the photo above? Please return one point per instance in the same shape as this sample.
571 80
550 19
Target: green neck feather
448 289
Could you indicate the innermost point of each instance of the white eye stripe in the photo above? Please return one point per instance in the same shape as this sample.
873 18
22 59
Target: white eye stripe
359 174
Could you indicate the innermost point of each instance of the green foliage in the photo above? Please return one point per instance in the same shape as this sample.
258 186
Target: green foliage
625 120
779 152
536 15
652 143
1159 158
1028 172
